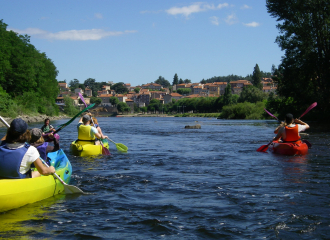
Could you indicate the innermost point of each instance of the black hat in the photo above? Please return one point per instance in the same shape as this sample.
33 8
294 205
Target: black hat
19 125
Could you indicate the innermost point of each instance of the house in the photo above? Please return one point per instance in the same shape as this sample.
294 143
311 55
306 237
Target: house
77 91
105 99
168 97
214 89
152 86
88 92
145 98
130 103
63 87
222 86
197 89
269 89
75 100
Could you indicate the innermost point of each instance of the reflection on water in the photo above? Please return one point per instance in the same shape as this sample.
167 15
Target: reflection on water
177 183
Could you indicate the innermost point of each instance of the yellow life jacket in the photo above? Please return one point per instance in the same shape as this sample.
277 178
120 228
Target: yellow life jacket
84 134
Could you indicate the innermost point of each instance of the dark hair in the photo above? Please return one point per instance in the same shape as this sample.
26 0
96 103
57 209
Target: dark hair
47 119
288 118
13 136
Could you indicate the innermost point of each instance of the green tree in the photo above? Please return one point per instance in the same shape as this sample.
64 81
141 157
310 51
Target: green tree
304 73
96 100
187 81
114 101
69 108
252 94
162 81
256 77
122 107
184 91
175 79
120 88
73 84
227 97
181 81
137 90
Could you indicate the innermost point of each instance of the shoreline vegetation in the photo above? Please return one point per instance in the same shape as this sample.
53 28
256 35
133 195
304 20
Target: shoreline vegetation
34 119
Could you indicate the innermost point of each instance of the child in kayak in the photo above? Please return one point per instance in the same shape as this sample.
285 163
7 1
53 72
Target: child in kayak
43 147
46 128
16 156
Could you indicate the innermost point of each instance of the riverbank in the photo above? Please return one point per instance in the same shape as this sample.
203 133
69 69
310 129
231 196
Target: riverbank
207 115
32 119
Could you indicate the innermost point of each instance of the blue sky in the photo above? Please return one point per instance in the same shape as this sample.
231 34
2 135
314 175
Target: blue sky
136 41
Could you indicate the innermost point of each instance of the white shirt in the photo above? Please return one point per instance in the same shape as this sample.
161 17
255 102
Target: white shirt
30 156
301 128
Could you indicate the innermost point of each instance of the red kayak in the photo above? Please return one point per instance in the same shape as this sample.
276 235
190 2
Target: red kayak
295 148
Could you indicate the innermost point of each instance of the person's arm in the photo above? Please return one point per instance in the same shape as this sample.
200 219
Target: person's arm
100 132
42 169
298 121
278 128
279 134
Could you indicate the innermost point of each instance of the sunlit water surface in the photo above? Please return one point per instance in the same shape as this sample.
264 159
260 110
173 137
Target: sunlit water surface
177 183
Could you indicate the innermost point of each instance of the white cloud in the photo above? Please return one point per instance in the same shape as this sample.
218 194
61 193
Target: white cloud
214 20
231 19
194 8
245 7
73 35
98 15
252 24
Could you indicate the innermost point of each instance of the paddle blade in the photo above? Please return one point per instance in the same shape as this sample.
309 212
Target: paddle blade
308 109
263 148
121 147
105 151
309 145
69 189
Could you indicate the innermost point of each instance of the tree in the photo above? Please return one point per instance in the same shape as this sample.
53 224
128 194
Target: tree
256 77
73 84
304 72
175 79
137 90
120 88
114 101
203 81
227 97
96 100
252 94
122 107
184 91
187 81
162 81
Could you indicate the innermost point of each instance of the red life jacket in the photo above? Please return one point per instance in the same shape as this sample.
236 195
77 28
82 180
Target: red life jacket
292 134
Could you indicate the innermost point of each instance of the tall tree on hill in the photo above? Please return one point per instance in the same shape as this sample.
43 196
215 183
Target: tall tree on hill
304 72
175 79
181 81
119 88
256 77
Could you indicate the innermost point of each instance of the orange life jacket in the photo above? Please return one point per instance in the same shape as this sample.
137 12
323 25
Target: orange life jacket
292 134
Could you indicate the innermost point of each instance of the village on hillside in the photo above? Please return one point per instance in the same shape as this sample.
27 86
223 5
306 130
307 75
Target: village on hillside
151 91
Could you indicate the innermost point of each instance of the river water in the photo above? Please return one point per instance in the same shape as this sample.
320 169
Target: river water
177 183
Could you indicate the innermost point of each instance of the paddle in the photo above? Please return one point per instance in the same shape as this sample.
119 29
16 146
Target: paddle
308 109
68 189
105 151
121 147
264 148
272 115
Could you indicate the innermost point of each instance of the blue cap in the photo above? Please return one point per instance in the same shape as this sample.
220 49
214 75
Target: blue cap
19 125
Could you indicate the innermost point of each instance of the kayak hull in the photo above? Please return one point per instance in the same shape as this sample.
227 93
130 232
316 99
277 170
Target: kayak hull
296 148
85 150
19 192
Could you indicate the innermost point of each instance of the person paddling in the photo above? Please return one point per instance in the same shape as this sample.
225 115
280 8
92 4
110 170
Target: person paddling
16 156
87 133
46 128
290 129
97 126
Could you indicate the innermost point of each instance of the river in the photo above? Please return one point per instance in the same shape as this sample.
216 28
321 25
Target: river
177 183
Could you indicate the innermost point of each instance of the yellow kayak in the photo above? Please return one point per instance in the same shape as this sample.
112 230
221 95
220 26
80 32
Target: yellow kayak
85 149
15 193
